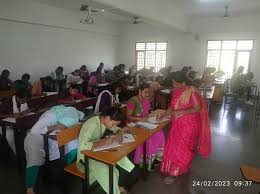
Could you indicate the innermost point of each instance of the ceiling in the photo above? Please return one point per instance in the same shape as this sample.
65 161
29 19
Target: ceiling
216 7
109 12
174 13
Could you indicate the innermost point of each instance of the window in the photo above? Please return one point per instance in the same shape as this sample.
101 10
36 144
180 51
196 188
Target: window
151 54
227 55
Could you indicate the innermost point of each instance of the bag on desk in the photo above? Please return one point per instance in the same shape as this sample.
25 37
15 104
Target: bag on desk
7 155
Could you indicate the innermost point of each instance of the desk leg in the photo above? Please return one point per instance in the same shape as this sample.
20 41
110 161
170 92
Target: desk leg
85 186
4 130
111 179
19 147
144 163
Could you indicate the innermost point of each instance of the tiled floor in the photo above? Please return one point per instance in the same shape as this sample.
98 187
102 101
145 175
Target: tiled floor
235 142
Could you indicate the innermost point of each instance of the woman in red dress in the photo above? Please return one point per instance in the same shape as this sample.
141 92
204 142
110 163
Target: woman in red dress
190 130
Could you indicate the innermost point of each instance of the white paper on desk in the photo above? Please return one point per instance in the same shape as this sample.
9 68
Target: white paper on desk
105 84
31 113
146 125
128 138
10 120
50 93
166 91
107 147
130 87
154 120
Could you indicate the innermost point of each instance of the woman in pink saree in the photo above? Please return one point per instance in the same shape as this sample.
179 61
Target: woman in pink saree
138 109
190 129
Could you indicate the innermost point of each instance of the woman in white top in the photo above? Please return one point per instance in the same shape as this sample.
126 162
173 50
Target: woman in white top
74 78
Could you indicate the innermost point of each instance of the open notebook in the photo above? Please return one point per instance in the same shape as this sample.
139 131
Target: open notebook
146 125
154 120
127 138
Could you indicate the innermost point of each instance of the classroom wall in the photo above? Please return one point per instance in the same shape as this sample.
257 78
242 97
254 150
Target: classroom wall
180 44
242 27
36 38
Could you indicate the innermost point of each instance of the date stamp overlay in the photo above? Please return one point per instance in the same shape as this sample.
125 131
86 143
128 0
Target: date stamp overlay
221 183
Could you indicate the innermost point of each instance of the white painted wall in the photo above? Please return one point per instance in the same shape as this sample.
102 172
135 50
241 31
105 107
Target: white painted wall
243 27
180 45
35 38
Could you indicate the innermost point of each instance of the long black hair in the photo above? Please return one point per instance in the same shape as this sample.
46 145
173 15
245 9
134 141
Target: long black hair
115 114
179 76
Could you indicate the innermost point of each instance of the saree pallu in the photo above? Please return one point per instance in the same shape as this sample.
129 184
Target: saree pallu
188 133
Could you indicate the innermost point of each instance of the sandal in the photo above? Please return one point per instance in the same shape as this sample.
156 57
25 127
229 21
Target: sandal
169 180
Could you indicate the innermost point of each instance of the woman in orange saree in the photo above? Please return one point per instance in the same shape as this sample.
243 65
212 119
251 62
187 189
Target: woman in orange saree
190 130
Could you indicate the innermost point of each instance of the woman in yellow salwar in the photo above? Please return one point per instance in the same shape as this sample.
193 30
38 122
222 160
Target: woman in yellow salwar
92 131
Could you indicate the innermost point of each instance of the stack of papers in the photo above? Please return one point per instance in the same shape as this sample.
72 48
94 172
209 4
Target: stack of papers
10 120
166 91
154 120
128 138
146 125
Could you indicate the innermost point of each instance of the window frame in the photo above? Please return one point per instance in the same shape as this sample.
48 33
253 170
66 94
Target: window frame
236 52
144 51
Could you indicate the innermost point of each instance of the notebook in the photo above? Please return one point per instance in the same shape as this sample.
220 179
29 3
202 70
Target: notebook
10 120
146 125
106 147
154 120
128 138
166 91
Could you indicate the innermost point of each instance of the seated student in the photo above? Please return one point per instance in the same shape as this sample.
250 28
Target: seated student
208 76
23 83
248 84
100 73
121 72
74 95
84 74
113 75
56 119
133 70
44 85
190 78
5 82
92 85
108 98
90 135
74 78
58 74
138 108
154 87
237 81
58 77
15 107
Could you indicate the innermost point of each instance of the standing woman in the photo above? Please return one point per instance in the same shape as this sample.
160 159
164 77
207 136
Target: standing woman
190 129
138 108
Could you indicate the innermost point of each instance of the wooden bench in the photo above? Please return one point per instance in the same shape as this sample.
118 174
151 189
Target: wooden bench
7 93
250 173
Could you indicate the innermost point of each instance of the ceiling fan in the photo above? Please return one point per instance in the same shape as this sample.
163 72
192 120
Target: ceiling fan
137 20
226 12
88 19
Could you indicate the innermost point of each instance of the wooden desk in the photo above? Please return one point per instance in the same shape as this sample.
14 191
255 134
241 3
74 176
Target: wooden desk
162 98
207 92
7 93
83 104
20 126
111 158
40 102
